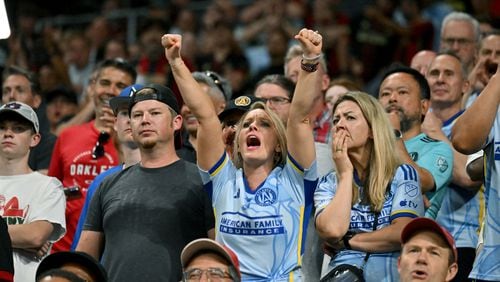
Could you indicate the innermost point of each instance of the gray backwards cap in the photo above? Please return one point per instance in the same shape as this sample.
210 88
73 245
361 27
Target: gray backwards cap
154 92
24 111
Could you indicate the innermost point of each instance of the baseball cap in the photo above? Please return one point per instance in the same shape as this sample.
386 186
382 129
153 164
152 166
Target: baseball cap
59 259
241 104
124 97
209 245
69 95
424 223
24 111
154 92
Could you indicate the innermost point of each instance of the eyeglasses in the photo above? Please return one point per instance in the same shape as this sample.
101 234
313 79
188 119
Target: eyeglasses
216 79
213 274
98 150
450 41
276 100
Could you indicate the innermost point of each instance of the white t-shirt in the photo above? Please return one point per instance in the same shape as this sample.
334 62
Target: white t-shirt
27 198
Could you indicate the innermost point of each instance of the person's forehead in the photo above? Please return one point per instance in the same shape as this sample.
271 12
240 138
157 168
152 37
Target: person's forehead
270 90
206 260
16 79
399 79
146 105
428 236
445 61
111 73
459 29
491 42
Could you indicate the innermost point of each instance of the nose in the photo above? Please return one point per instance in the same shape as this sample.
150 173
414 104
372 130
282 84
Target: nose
393 97
145 118
422 257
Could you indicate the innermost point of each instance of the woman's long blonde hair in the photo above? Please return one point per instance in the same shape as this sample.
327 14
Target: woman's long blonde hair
277 124
383 160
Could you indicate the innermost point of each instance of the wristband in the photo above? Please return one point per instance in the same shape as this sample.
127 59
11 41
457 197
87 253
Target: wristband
309 67
348 236
311 58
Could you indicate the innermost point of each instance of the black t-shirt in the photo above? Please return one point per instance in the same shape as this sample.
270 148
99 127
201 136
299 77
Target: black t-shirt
148 216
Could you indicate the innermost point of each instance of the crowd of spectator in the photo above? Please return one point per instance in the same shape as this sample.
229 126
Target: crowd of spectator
298 136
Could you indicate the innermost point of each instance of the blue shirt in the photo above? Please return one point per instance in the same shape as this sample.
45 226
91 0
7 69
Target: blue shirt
487 263
403 199
437 158
90 192
459 212
265 227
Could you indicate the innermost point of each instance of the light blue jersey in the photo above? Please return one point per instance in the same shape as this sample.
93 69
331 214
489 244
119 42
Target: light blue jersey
459 212
437 158
404 199
266 227
487 263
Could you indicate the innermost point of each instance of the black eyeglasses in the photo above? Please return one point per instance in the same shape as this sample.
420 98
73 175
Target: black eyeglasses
98 150
216 79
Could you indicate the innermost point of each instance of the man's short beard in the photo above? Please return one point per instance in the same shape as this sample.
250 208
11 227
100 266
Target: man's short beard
148 144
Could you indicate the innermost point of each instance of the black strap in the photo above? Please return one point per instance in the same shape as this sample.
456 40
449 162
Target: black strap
374 228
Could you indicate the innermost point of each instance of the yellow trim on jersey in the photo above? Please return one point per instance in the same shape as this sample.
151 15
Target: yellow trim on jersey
294 166
482 207
218 169
290 277
299 241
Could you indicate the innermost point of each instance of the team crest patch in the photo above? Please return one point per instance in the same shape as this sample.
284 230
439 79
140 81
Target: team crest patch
442 164
265 197
414 156
411 189
242 101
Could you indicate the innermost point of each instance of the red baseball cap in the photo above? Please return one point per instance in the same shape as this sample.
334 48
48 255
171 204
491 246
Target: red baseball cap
204 245
424 223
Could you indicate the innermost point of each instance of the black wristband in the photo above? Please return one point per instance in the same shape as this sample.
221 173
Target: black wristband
309 67
348 236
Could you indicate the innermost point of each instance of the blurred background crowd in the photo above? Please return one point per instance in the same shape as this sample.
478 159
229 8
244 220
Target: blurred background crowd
241 40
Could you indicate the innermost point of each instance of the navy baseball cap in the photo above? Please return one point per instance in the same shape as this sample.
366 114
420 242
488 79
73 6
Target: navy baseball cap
124 97
241 104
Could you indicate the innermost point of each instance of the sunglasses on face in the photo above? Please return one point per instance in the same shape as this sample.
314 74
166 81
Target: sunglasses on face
216 79
98 150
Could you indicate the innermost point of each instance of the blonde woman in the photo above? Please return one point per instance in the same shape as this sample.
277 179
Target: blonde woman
370 182
262 195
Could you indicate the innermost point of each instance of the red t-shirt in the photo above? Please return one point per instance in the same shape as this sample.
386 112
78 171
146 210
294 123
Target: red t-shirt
73 165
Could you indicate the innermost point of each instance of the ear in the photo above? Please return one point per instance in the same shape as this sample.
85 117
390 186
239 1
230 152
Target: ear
325 82
465 87
37 100
35 139
452 271
278 148
177 122
114 124
399 264
424 106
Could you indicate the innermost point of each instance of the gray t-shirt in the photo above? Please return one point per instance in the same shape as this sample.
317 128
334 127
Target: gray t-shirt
148 216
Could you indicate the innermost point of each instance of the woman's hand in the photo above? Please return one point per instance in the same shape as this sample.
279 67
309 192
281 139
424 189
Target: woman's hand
339 152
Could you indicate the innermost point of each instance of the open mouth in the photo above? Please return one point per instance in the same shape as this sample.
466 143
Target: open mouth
419 274
253 142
